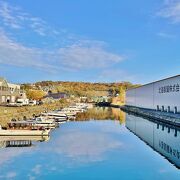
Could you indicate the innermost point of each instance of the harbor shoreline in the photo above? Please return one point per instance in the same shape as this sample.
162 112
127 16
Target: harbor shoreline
158 116
19 113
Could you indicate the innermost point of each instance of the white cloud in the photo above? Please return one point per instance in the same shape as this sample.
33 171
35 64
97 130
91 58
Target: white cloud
7 16
115 75
69 53
171 10
166 35
13 53
81 55
88 54
14 17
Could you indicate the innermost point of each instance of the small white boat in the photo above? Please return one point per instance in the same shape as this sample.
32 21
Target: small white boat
73 109
59 120
67 112
45 122
82 106
55 114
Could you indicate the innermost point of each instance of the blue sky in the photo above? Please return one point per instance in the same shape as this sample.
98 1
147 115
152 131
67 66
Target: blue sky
89 40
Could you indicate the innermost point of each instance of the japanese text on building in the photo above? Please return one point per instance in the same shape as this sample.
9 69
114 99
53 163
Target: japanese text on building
170 88
168 149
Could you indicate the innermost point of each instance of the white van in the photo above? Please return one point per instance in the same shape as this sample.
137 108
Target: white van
22 102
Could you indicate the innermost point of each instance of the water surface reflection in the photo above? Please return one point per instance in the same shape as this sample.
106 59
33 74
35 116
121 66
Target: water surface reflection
97 146
102 113
163 138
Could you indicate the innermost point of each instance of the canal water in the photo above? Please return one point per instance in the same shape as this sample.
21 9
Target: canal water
103 144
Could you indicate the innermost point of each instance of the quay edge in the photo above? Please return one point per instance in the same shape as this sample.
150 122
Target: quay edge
158 116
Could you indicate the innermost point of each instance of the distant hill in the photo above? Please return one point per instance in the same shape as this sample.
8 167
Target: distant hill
80 88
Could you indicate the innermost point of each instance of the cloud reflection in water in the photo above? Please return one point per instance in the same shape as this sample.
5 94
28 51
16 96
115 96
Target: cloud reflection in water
84 146
73 145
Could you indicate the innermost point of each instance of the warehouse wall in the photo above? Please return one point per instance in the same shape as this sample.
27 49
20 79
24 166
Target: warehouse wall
131 97
164 94
144 95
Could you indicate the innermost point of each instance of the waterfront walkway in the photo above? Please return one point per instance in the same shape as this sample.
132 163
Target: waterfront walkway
166 117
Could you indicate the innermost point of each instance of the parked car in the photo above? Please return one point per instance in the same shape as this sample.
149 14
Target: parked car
12 104
32 102
39 102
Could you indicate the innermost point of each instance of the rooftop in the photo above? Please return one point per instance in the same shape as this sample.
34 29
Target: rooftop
157 81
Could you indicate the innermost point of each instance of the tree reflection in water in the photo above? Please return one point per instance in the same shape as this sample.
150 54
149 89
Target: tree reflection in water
102 113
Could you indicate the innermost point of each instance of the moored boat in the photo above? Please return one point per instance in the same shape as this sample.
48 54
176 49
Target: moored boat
20 131
73 109
66 112
55 114
45 122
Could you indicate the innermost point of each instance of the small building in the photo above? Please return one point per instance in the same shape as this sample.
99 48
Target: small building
56 96
9 92
163 95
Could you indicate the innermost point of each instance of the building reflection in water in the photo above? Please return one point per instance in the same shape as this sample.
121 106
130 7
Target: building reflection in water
102 113
164 139
20 141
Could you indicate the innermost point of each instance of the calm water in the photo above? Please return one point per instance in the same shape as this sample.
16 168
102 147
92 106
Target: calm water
102 144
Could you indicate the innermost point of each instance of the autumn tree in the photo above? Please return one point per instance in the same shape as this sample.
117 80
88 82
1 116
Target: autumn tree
122 94
35 94
79 89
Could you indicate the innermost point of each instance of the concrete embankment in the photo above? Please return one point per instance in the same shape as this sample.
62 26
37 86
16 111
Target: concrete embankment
9 113
169 118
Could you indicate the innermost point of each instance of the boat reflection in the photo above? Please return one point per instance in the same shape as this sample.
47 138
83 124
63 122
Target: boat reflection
102 113
21 141
163 138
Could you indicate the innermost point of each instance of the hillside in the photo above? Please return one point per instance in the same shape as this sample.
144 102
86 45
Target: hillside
80 88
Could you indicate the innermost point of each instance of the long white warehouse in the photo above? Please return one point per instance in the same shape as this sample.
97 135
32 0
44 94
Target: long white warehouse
161 95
